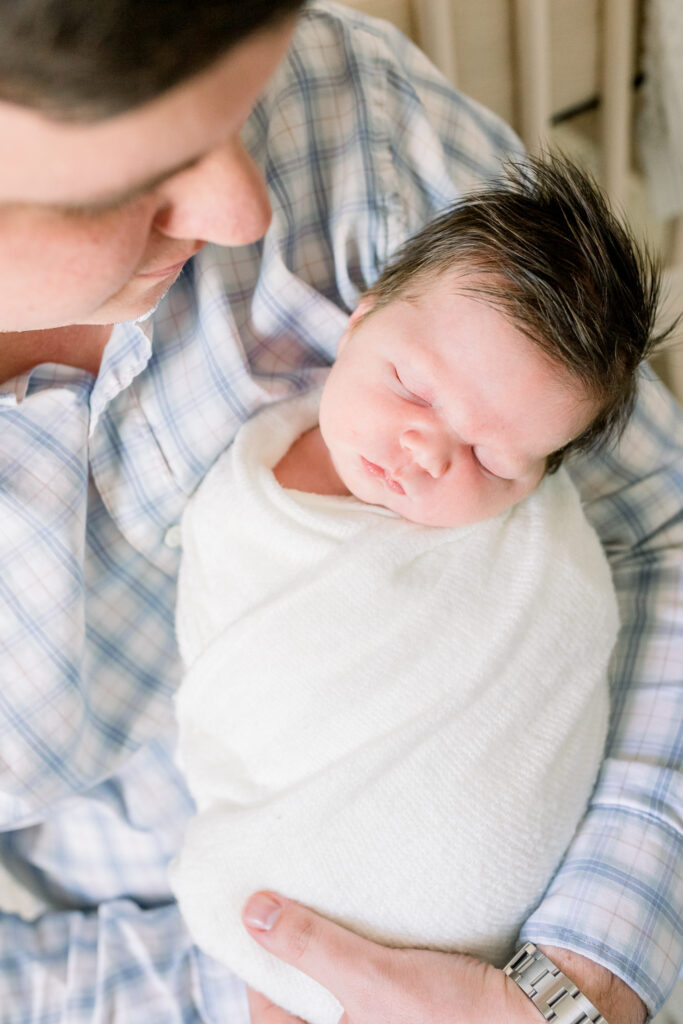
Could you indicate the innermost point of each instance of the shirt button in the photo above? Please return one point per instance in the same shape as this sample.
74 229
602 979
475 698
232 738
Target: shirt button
173 537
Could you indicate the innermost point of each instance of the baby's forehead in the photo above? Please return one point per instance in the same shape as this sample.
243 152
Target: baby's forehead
489 301
443 297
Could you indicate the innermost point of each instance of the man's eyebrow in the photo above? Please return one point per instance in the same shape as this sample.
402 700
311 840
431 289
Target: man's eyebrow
130 193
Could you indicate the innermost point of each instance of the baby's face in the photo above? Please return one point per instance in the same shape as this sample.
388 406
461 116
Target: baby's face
442 411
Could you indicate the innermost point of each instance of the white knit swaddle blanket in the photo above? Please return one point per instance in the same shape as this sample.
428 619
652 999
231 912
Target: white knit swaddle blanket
397 725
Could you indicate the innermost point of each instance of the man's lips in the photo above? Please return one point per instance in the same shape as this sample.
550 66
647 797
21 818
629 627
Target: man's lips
165 271
374 470
172 268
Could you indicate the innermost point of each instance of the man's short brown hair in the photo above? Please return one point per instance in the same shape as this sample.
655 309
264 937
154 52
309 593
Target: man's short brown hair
541 245
84 60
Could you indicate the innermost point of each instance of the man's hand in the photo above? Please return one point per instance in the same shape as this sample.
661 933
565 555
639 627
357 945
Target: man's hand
376 985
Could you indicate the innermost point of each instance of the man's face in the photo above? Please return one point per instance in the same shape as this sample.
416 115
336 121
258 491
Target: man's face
442 411
96 220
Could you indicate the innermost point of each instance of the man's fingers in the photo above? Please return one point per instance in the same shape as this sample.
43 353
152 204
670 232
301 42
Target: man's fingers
347 965
379 985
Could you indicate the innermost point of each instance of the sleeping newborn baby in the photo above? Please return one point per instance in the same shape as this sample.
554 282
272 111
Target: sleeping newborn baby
394 616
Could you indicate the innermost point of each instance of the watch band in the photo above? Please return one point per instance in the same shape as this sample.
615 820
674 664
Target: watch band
551 991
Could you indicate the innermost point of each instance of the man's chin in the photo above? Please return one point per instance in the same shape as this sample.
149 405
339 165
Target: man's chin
127 306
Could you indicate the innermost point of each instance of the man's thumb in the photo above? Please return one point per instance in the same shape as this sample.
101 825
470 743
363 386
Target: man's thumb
339 959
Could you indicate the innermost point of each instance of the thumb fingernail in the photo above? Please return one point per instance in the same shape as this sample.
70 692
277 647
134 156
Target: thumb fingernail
261 911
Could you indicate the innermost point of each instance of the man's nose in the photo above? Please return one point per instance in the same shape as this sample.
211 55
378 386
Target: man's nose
221 199
429 451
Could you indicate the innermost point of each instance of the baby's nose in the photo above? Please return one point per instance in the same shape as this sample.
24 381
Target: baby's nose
429 452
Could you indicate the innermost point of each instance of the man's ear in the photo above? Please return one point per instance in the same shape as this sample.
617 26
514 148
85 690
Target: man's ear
363 307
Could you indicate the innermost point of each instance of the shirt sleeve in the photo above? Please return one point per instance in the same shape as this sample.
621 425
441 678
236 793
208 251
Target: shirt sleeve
618 893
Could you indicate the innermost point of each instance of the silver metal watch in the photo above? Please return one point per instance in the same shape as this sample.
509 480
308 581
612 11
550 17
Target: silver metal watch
551 991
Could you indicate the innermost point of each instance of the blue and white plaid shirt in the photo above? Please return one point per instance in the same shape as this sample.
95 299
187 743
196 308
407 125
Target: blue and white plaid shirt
361 142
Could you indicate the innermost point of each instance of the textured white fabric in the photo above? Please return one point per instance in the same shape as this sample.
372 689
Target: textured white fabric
386 721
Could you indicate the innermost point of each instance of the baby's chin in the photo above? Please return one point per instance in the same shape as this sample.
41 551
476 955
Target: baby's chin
448 518
400 505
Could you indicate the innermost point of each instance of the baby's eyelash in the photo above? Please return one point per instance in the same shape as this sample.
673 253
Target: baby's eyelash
411 394
488 472
482 467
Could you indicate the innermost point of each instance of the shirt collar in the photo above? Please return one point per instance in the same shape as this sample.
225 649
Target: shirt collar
125 356
13 392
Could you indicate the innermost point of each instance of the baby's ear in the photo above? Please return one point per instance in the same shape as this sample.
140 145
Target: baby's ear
363 307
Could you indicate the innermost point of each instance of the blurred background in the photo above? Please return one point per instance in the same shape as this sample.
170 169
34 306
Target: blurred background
600 79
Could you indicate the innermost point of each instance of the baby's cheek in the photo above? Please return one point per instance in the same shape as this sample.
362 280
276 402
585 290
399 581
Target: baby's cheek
528 486
471 500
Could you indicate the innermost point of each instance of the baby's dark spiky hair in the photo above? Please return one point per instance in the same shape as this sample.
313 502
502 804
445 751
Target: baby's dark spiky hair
541 245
